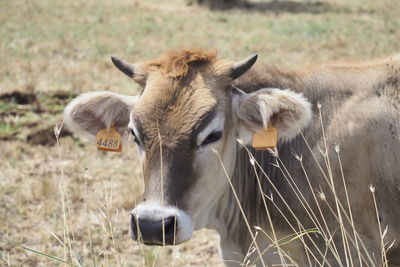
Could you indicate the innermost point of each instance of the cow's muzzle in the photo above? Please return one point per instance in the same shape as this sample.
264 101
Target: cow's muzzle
154 232
153 225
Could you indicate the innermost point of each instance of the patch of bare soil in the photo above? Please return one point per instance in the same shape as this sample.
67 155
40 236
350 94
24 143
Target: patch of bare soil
20 97
27 116
46 137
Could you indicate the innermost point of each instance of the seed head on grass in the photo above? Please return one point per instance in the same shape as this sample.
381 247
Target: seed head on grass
372 188
298 157
321 195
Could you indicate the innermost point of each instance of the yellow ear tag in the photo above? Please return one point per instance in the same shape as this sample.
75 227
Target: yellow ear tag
109 140
267 138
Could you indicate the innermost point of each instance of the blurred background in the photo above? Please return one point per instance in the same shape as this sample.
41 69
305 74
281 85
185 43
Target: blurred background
67 202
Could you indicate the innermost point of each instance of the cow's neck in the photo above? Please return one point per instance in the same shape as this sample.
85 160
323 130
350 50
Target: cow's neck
228 219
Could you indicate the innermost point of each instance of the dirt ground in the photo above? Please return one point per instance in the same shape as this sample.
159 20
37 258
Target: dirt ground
71 202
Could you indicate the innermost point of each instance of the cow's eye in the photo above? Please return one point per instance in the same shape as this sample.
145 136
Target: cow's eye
211 138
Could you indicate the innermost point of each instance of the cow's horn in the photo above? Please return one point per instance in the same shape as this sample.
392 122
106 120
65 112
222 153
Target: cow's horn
241 67
126 68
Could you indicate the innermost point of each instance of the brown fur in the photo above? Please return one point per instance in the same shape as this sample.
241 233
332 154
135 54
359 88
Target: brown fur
176 64
177 98
179 92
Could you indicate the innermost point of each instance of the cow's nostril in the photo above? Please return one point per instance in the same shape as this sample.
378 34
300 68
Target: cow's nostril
170 229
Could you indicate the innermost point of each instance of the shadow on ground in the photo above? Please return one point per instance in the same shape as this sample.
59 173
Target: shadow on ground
279 6
289 7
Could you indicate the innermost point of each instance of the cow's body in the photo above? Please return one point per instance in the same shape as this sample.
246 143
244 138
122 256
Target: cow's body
187 121
360 113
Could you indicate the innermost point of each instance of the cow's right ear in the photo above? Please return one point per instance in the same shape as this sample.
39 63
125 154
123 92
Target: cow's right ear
91 112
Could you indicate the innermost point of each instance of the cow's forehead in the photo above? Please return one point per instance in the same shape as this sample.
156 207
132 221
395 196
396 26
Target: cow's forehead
175 108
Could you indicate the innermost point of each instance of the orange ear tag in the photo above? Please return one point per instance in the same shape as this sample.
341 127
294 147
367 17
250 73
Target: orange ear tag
265 139
109 140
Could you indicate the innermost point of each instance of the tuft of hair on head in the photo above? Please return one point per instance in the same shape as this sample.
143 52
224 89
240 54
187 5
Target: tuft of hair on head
176 64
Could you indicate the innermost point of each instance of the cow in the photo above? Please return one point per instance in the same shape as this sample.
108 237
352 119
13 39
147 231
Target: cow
327 195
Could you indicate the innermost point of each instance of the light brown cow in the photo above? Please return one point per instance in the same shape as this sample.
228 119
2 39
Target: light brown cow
193 123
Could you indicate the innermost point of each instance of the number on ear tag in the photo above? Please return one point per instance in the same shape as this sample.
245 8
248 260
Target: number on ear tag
265 139
109 140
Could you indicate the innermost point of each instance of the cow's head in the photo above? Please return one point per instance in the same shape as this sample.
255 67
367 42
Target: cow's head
187 112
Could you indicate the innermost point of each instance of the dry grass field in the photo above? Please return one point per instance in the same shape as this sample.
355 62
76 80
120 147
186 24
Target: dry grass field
71 202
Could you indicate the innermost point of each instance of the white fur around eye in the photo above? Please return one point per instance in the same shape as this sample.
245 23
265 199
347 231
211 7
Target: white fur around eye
132 126
216 124
138 137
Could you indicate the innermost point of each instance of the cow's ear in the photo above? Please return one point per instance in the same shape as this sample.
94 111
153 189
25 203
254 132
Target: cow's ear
288 111
91 112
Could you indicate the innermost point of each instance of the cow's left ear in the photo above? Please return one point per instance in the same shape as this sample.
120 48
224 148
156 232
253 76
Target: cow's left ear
287 110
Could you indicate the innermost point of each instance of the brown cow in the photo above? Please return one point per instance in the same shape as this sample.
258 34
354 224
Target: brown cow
305 204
